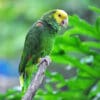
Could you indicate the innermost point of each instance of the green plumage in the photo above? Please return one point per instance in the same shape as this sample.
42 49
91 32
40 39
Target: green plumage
39 43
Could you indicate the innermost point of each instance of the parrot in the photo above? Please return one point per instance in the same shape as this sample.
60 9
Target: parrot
39 41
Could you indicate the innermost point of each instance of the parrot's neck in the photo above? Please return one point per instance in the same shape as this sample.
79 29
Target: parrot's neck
52 24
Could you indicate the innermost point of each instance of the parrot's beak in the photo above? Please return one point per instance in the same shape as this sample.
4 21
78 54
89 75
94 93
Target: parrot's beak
65 23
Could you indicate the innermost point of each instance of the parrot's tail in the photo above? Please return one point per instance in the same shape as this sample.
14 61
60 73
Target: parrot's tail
21 80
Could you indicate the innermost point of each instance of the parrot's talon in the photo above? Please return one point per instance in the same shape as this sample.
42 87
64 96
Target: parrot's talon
46 59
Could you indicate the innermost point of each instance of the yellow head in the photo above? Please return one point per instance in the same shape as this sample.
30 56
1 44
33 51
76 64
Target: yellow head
61 17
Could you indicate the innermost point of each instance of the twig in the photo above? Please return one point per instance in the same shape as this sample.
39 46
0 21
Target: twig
36 81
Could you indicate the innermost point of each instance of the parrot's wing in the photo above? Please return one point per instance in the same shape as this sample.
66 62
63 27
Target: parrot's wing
31 46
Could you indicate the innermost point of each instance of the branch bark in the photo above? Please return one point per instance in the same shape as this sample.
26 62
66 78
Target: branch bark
36 81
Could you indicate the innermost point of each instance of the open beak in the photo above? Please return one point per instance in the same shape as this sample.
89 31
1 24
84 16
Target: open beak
64 22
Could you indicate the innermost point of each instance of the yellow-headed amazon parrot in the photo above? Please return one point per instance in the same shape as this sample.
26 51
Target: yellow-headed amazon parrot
40 39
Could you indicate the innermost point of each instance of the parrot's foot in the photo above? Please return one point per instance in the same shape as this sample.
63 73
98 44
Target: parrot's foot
46 59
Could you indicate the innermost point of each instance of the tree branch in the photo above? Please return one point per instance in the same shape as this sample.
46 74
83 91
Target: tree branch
36 81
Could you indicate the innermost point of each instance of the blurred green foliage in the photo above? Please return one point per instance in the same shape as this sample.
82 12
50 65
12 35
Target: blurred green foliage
84 55
78 47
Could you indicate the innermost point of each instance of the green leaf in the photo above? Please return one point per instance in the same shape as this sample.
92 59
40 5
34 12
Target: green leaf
75 62
97 25
92 44
95 9
83 27
78 84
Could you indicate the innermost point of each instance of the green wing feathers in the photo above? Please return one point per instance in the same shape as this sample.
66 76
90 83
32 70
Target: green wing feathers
38 43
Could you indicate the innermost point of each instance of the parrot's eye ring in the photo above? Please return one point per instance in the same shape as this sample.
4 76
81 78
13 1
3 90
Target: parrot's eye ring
59 15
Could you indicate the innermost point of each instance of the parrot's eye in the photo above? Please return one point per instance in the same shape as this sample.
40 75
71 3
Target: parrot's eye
59 15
